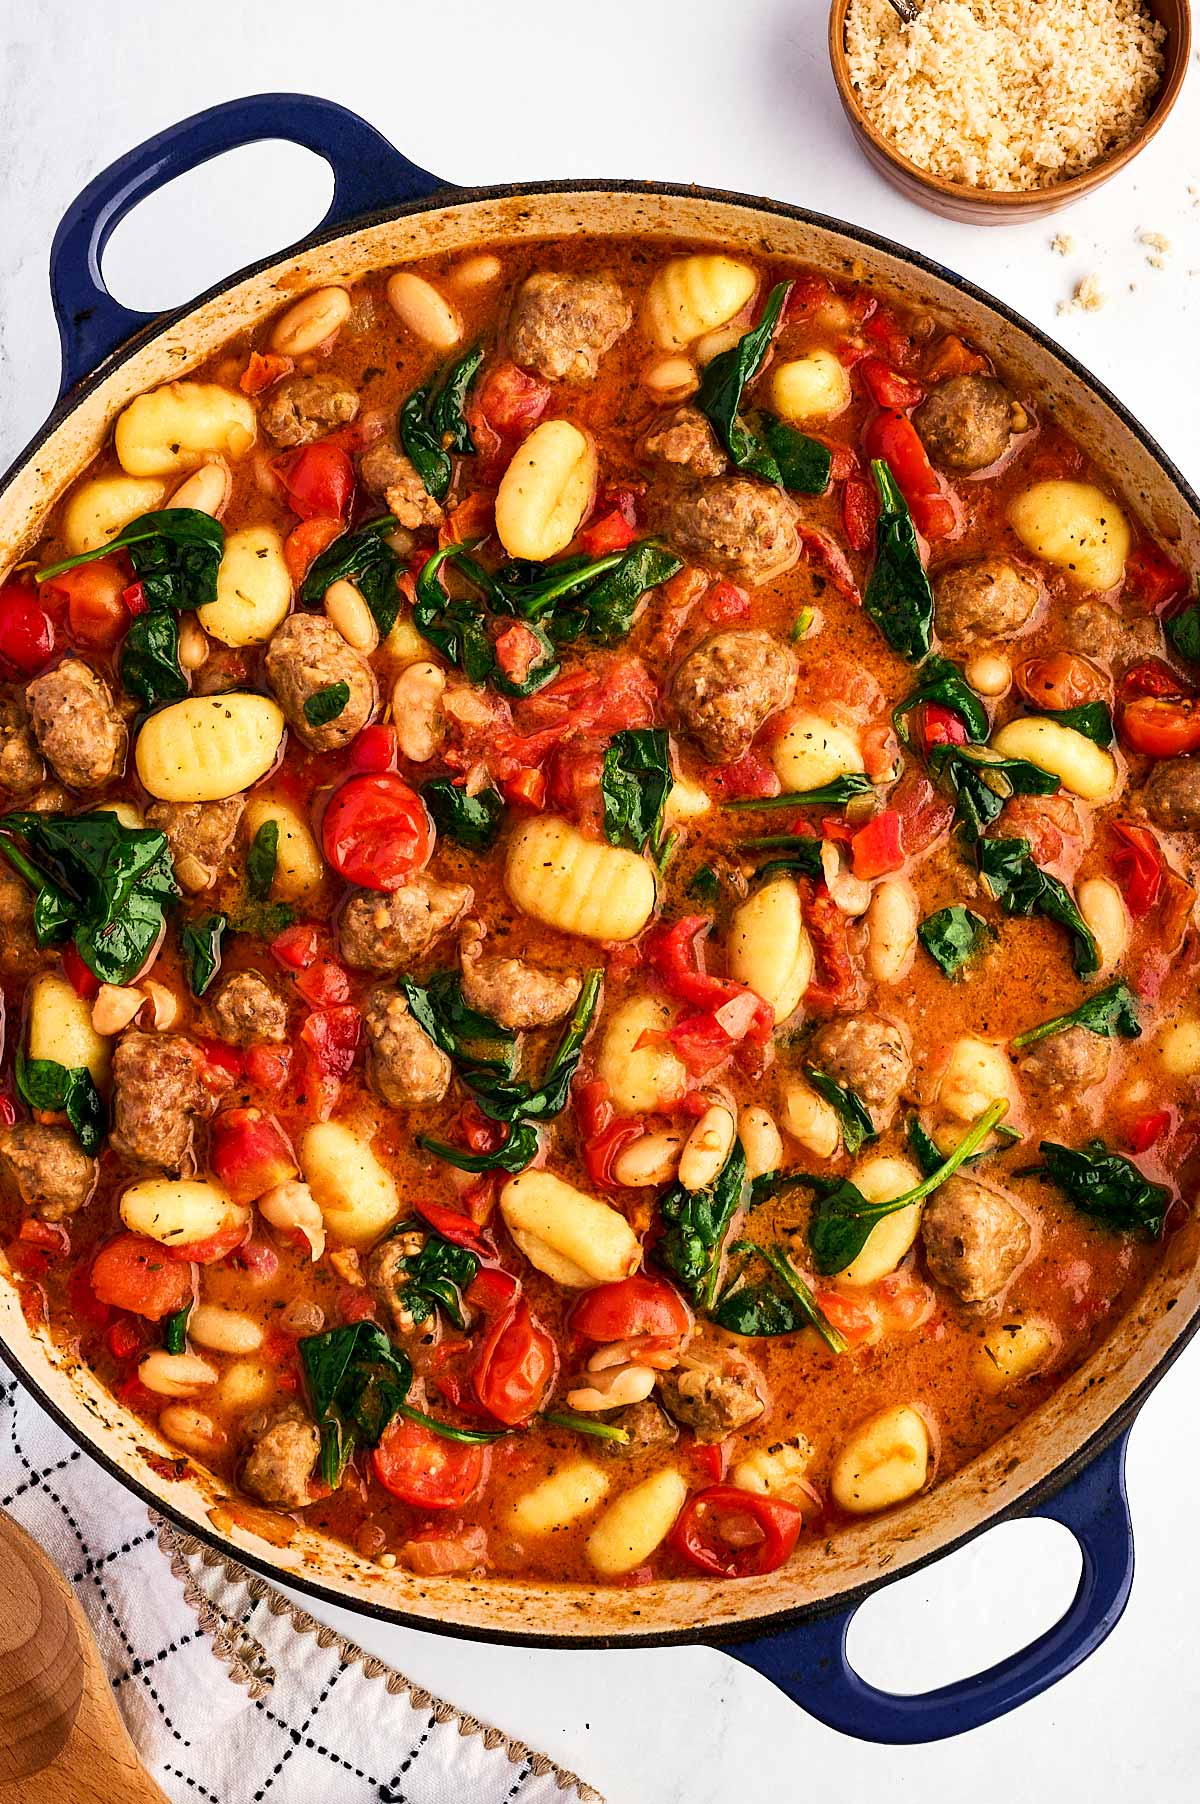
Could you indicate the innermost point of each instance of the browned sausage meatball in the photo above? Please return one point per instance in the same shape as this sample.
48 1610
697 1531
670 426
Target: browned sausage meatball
685 437
561 326
1073 1060
645 1424
869 1055
1172 795
965 423
387 471
54 1176
741 528
1100 631
712 1392
21 767
199 835
403 1063
246 1009
283 1451
19 951
380 932
728 686
158 1096
308 655
387 1276
974 1238
516 994
78 728
302 408
988 600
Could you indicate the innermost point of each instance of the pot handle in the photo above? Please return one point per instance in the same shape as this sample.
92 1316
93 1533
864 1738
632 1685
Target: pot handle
368 173
809 1662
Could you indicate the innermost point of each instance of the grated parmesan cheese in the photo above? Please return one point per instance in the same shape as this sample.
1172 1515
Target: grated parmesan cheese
1088 297
1008 95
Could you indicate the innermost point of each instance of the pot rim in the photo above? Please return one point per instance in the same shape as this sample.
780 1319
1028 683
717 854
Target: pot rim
771 1622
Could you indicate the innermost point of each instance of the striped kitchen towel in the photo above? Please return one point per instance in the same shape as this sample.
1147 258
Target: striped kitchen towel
231 1694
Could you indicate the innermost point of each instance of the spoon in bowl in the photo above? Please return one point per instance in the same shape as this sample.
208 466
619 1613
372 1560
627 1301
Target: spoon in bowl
907 10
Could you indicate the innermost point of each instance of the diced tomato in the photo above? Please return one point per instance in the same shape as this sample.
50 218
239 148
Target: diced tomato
1152 677
452 1225
433 1554
123 1339
710 1460
941 726
1147 1129
858 514
425 1469
493 1292
297 947
821 550
1138 866
614 694
1059 680
835 985
733 1533
511 400
48 1238
843 459
925 814
331 1036
749 776
26 630
642 1304
1161 729
250 1153
517 650
893 437
473 518
884 329
951 357
135 600
323 983
516 1366
807 293
886 388
600 1152
355 1303
267 1067
227 1239
481 1133
1152 576
305 543
81 977
725 602
878 847
264 368
856 1318
132 1272
479 1199
573 778
614 529
376 832
374 749
319 480
225 1060
526 787
85 1304
137 1396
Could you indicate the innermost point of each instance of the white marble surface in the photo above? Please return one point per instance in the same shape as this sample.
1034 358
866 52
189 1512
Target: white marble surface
737 95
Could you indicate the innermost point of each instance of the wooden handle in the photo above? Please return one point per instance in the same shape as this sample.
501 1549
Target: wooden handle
62 1740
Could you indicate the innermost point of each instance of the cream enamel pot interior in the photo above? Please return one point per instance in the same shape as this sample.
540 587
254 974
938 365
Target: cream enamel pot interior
792 1623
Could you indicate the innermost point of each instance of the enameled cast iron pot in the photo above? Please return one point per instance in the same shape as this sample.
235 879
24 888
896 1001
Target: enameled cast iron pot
1064 1461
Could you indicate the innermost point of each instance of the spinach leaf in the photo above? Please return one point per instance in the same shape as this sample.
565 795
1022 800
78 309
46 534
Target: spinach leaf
468 820
1108 1187
457 628
775 451
175 553
200 943
262 860
1021 887
705 886
850 1109
1113 1010
898 597
609 607
149 660
462 1032
45 1084
634 784
759 1309
175 1330
925 1151
432 423
1093 719
515 1154
436 1276
802 857
364 558
834 794
697 1222
842 1218
981 781
105 885
515 1101
953 937
324 705
1183 632
940 681
596 596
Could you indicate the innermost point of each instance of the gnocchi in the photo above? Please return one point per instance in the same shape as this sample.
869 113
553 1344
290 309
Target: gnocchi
572 1237
976 1075
638 1522
811 751
879 1180
814 387
569 1494
884 1461
546 491
557 875
356 1195
59 1027
254 590
642 1080
690 296
98 511
1080 765
299 867
1076 527
208 747
1179 1047
176 427
769 947
179 1211
776 1471
1014 1351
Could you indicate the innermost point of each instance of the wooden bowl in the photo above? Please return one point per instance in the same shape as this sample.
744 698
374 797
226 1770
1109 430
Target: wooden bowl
985 206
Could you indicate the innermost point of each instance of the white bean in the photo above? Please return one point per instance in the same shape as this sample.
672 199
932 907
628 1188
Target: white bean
712 344
164 1005
207 489
348 612
614 1388
417 710
989 674
707 1148
291 1205
176 1374
193 644
809 1119
891 929
427 314
115 1007
653 1159
223 1330
192 1430
475 272
310 322
1103 908
671 378
760 1140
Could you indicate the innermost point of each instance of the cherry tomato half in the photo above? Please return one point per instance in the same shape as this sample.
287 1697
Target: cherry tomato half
1161 729
26 632
735 1534
516 1366
319 480
631 1306
132 1272
96 611
425 1469
376 832
1059 680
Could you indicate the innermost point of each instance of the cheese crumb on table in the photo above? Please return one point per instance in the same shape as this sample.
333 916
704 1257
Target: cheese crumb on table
1088 297
1064 244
